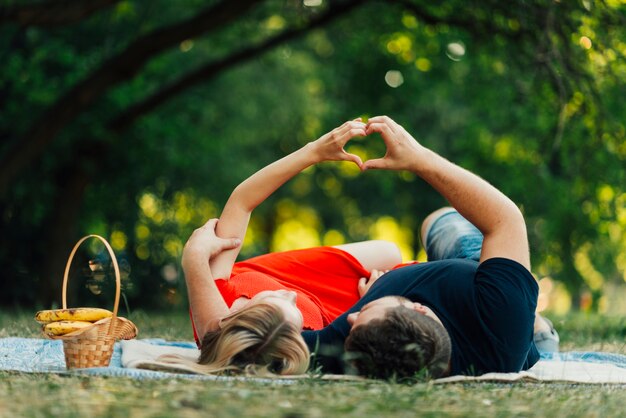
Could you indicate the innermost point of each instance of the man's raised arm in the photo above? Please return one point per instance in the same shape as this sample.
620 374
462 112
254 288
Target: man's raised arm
494 214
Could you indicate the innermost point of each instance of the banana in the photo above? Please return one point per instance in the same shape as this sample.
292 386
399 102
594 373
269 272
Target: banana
54 329
74 314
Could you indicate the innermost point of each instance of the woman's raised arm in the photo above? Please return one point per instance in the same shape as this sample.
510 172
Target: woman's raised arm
258 187
205 300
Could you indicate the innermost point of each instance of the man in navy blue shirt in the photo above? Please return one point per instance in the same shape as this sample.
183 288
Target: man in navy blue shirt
455 315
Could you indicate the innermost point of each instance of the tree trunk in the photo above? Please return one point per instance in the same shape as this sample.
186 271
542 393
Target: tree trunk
62 232
572 279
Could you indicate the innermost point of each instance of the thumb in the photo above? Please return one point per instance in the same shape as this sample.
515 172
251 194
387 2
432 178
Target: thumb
362 283
210 224
230 243
354 158
378 163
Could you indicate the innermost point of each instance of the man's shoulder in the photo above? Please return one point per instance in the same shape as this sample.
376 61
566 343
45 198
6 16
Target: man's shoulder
506 272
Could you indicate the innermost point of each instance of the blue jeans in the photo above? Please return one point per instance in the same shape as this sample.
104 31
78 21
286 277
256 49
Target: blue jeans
453 236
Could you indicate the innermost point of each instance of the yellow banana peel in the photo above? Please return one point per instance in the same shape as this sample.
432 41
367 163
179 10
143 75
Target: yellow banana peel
72 314
55 329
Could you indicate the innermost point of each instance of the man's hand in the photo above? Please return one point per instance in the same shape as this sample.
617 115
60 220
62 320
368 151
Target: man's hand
205 244
365 284
206 302
402 149
487 208
329 147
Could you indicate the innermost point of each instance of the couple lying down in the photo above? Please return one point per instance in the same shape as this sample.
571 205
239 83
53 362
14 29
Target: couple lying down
470 309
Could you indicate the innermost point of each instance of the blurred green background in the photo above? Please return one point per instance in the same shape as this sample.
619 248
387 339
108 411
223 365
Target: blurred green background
136 119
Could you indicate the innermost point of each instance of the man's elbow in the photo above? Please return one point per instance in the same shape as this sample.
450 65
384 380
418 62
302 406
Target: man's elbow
509 219
516 215
515 224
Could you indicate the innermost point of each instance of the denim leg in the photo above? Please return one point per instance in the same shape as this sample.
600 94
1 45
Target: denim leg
547 341
453 236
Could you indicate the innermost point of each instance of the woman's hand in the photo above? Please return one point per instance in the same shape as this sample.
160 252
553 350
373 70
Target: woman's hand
365 284
403 151
204 243
329 147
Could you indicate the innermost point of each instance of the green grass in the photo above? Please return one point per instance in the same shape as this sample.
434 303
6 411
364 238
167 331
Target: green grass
45 395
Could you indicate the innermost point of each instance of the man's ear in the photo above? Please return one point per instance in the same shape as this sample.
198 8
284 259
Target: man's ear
352 317
418 307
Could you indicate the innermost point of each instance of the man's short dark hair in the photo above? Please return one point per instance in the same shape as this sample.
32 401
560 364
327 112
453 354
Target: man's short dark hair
400 345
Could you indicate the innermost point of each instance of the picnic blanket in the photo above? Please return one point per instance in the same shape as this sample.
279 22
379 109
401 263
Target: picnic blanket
34 355
139 359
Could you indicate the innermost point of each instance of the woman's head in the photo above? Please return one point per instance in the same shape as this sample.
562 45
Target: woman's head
258 336
285 300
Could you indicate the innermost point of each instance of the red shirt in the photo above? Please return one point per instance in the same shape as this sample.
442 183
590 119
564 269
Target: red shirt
324 278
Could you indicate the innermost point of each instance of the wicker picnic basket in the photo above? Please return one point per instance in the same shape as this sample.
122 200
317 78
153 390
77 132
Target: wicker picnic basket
93 346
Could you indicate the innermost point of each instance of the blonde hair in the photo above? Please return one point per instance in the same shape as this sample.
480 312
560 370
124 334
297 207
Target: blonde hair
254 340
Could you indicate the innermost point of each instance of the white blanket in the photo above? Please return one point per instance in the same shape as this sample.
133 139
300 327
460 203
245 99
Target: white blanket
552 371
141 355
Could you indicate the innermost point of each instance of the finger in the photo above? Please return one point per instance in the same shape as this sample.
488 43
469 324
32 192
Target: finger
382 128
362 283
354 158
354 129
382 119
352 132
348 126
345 138
230 243
386 120
341 135
211 223
378 163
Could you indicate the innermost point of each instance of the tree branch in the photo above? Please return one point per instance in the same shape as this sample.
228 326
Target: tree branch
117 69
476 27
210 70
53 12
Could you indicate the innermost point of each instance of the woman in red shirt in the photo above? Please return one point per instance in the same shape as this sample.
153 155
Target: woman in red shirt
302 288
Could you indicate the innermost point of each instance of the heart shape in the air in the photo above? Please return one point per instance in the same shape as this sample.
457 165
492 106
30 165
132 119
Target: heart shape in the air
400 145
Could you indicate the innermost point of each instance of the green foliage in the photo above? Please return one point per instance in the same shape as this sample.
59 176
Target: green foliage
526 94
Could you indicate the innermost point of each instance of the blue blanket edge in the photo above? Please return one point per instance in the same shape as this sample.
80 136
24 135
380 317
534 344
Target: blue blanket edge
34 355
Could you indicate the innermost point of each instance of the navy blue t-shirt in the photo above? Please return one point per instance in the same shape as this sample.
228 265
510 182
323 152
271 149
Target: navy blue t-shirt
488 309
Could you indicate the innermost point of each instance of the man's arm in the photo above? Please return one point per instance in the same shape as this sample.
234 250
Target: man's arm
254 190
494 214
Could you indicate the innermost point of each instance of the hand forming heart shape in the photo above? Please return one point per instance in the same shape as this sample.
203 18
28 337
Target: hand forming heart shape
401 148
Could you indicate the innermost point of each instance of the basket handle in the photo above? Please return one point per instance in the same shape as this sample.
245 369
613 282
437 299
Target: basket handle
116 268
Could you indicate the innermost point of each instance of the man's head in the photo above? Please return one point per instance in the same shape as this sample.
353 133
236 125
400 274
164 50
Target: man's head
394 337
